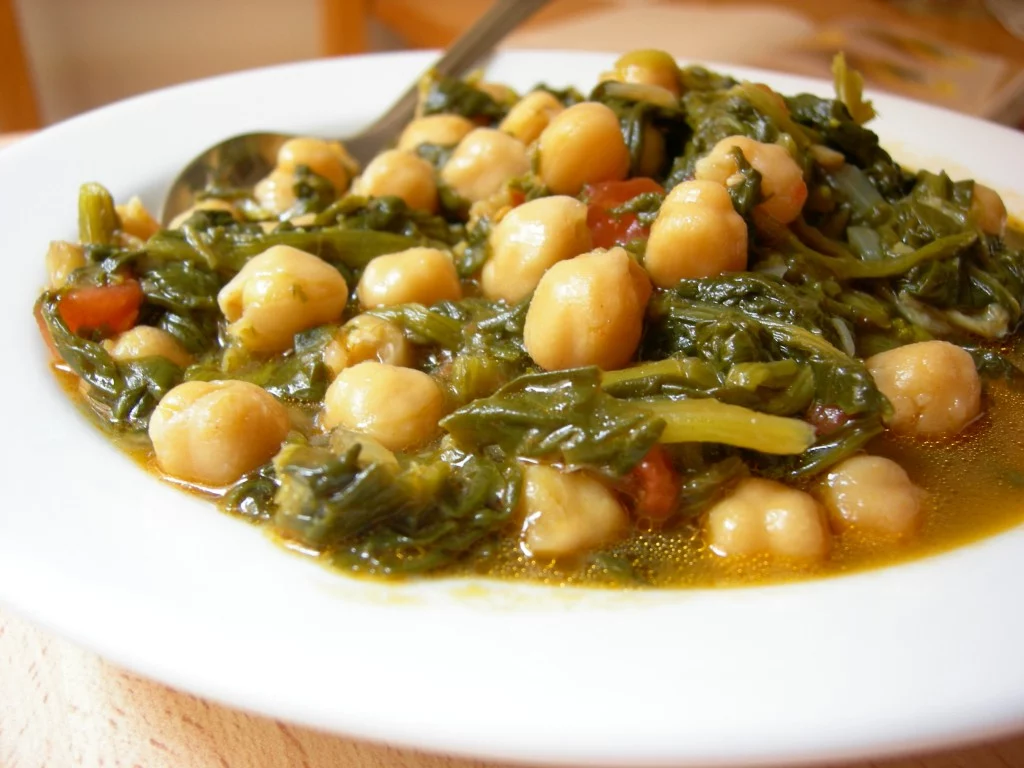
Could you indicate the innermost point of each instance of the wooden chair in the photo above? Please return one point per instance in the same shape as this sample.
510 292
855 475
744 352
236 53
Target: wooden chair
18 108
343 26
420 24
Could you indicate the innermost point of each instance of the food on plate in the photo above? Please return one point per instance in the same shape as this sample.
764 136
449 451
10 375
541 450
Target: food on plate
682 330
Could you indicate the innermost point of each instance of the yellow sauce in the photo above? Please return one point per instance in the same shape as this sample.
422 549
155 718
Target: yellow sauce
974 487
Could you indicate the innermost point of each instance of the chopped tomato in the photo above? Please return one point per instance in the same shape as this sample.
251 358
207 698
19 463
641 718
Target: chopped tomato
608 230
827 419
656 486
107 308
516 197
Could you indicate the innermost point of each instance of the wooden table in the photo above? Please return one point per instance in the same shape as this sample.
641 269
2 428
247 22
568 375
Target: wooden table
64 706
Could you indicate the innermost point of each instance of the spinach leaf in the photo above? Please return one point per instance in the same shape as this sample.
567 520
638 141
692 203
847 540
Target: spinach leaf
181 298
839 131
849 87
299 374
638 115
561 416
471 256
380 518
123 394
389 214
736 320
449 95
226 248
97 217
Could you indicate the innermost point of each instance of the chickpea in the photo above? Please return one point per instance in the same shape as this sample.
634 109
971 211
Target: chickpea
416 275
493 208
782 180
213 432
397 407
531 238
483 162
136 220
580 146
763 517
872 493
647 67
210 204
566 513
275 192
531 115
587 311
697 233
277 294
329 159
403 175
366 337
989 210
147 341
442 130
933 386
62 258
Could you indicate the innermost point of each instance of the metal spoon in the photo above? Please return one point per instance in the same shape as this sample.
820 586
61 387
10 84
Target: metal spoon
243 160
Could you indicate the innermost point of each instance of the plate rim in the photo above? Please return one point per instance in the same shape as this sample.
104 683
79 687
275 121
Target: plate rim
58 607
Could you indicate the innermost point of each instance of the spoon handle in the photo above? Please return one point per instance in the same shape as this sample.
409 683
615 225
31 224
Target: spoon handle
502 16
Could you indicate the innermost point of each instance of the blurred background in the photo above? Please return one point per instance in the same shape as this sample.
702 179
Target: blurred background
62 57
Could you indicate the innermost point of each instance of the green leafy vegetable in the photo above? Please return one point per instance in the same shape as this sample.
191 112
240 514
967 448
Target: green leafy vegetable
449 95
562 416
850 90
123 393
388 214
226 249
566 417
383 519
300 374
97 218
760 372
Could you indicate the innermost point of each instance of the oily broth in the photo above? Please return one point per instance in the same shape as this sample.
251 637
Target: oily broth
974 487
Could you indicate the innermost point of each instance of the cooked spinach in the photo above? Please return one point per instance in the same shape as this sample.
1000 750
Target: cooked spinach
449 95
389 214
638 114
123 393
562 416
225 247
380 518
566 417
760 372
299 374
97 218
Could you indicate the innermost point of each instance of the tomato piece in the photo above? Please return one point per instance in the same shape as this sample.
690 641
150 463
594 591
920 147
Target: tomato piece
827 419
609 194
656 486
516 198
608 230
109 309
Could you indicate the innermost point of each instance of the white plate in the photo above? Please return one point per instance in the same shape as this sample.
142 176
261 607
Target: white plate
92 547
